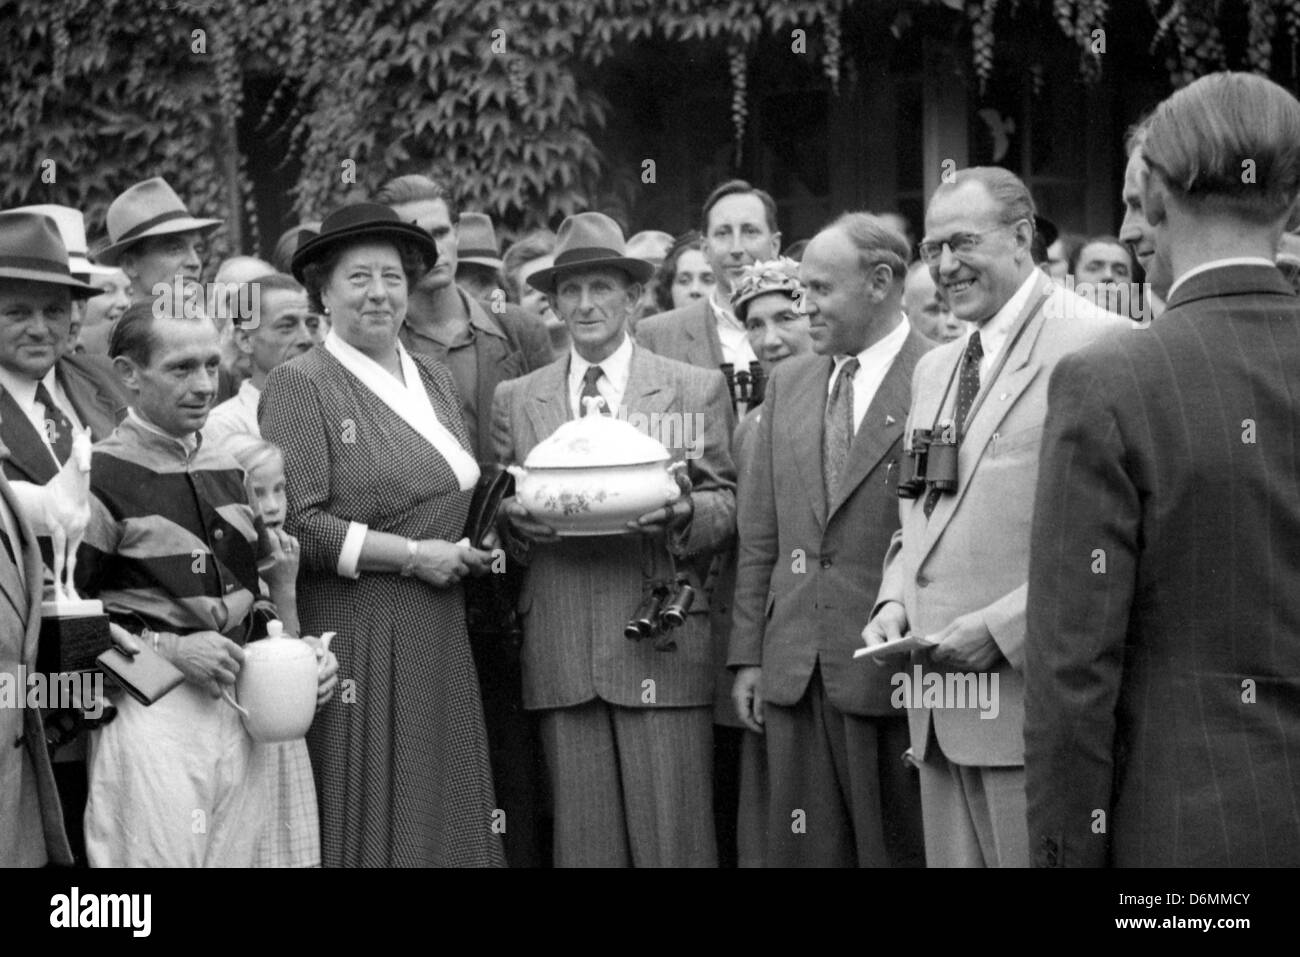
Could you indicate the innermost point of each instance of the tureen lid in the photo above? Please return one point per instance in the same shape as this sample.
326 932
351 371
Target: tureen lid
593 441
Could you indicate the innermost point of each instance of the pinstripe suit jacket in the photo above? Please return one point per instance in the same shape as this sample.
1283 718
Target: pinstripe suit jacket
579 593
690 334
791 617
972 553
1163 687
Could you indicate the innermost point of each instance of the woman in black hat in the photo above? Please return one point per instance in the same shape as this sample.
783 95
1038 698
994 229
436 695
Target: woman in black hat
379 478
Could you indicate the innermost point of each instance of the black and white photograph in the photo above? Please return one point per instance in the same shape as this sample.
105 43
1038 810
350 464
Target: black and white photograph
668 434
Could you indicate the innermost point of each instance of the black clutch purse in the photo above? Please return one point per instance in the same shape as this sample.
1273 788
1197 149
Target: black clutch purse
493 488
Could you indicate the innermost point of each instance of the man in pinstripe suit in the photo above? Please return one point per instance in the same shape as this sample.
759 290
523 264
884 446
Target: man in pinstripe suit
626 728
1162 713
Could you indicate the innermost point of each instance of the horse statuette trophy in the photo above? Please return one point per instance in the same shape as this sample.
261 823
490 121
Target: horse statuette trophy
73 630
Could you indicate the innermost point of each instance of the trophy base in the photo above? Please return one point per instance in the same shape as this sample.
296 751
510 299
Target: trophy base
73 635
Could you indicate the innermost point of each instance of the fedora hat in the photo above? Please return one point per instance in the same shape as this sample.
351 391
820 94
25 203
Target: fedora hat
590 241
72 229
151 208
476 241
357 222
32 250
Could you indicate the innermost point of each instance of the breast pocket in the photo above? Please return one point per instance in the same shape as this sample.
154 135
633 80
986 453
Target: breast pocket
1009 443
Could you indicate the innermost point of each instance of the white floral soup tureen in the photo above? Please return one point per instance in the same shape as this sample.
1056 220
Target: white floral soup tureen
594 475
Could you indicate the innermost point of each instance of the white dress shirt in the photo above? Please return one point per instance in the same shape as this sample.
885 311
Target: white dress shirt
873 365
23 391
614 372
1218 264
993 334
731 333
236 416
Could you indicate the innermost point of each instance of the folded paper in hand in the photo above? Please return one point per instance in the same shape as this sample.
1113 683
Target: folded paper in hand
904 645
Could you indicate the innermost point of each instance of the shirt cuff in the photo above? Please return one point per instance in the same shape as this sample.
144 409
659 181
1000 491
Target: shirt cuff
350 554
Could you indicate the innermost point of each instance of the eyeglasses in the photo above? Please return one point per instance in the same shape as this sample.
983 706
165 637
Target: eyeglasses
961 244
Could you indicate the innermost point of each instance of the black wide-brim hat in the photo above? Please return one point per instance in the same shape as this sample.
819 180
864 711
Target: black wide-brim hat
32 250
357 223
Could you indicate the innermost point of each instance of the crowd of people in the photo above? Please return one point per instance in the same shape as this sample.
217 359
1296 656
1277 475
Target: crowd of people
1079 528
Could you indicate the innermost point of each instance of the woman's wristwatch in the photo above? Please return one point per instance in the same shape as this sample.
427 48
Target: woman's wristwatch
412 554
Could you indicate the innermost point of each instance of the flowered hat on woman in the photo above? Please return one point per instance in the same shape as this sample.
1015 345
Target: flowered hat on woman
772 275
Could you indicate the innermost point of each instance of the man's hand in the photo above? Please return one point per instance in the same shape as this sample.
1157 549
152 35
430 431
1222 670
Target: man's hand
890 624
966 645
674 516
285 554
748 699
327 673
207 659
526 525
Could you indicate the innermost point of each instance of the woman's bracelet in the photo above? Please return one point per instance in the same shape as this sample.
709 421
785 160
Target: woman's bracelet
412 554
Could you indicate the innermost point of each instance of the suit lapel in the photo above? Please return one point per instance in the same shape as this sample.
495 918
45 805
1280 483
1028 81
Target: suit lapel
1002 393
548 404
802 416
883 423
705 349
643 394
27 452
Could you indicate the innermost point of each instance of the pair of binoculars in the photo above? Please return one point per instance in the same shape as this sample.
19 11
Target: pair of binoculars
934 462
746 387
664 608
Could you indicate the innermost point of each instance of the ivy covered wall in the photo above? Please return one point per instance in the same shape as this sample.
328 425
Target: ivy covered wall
334 96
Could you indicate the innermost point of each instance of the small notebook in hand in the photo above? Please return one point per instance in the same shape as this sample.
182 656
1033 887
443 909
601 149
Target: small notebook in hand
903 645
146 677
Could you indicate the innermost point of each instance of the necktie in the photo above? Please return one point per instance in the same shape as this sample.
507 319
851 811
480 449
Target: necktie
837 431
968 386
58 430
589 391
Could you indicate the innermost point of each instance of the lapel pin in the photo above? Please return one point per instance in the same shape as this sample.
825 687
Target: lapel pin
1002 397
889 420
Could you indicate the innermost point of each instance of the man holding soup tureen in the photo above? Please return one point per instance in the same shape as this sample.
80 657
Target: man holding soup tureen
626 715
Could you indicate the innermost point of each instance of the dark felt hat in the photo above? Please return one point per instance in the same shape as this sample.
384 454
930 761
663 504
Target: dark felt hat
31 249
358 222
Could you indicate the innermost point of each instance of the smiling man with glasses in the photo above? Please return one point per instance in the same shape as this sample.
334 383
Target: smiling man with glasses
958 569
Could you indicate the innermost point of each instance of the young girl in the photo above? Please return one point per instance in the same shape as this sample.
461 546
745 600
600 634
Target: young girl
292 834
